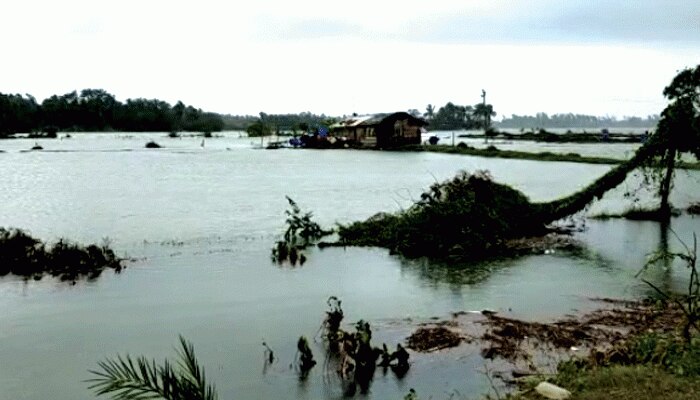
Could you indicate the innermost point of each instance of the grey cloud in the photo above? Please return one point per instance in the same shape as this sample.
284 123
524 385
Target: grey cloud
674 22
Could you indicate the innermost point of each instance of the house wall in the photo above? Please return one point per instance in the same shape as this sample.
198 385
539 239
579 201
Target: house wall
397 129
360 134
397 133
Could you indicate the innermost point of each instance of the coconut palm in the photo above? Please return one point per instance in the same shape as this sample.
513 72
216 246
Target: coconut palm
485 111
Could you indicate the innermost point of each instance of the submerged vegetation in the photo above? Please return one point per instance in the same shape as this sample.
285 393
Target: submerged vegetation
24 255
352 354
305 357
301 233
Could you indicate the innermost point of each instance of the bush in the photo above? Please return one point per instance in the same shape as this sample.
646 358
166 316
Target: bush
467 216
21 254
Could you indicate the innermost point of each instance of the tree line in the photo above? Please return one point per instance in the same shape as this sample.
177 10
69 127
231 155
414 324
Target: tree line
452 116
96 110
268 124
542 120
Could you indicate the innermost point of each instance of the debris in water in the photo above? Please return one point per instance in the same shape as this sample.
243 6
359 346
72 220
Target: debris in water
427 339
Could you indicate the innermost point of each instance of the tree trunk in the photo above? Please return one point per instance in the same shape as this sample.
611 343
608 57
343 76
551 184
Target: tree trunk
558 209
665 188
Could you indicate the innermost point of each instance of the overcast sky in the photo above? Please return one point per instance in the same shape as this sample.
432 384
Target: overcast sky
601 57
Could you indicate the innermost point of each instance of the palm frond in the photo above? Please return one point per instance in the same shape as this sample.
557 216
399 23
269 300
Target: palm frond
126 378
192 373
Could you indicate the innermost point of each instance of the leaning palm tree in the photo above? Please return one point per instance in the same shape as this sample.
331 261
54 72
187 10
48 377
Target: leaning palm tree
125 378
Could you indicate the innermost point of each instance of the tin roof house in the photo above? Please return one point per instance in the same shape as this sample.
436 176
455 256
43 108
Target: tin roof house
380 130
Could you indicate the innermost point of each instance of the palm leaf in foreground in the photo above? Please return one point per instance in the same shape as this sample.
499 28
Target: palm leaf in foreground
126 378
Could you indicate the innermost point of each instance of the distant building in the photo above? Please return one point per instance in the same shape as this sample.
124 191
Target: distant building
380 130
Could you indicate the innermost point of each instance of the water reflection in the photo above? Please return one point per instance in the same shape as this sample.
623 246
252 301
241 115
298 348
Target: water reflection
471 273
662 267
454 274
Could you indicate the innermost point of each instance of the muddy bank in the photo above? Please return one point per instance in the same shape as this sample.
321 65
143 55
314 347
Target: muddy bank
527 347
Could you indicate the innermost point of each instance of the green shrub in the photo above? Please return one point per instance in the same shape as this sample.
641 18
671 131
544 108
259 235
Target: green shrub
463 217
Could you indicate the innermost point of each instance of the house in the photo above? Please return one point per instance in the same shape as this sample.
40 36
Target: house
380 130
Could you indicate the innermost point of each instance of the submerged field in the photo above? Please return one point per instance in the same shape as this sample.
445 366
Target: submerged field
198 219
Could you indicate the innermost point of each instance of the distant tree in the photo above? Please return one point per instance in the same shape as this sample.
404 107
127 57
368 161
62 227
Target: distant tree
258 129
17 113
96 109
429 112
483 114
569 120
61 111
452 116
143 115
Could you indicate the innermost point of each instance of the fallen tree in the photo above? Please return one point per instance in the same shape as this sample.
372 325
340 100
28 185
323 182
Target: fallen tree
471 216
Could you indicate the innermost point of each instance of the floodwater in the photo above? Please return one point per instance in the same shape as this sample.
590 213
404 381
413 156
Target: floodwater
199 220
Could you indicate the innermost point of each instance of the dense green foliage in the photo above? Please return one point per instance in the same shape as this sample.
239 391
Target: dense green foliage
98 110
125 378
466 217
21 254
542 120
454 117
17 113
679 128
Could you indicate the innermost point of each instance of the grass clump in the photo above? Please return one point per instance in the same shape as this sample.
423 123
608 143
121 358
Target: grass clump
626 383
24 255
465 217
649 366
666 351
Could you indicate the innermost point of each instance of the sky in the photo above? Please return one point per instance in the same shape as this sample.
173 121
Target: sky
599 57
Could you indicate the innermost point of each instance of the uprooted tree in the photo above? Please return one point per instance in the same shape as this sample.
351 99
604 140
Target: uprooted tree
471 215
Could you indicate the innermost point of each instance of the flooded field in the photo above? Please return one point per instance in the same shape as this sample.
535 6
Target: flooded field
199 217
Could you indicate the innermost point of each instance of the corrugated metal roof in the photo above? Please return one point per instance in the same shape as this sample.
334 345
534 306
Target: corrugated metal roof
360 120
374 119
